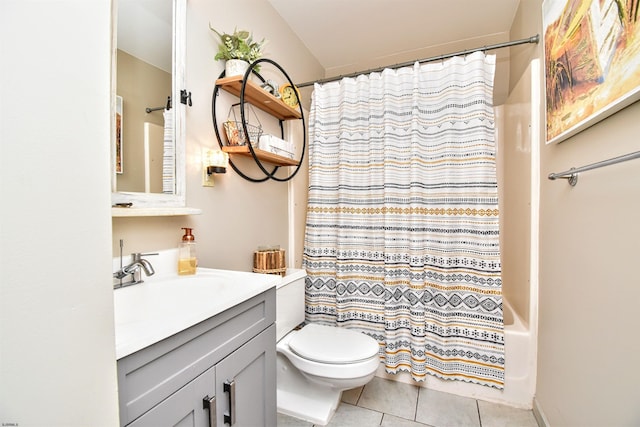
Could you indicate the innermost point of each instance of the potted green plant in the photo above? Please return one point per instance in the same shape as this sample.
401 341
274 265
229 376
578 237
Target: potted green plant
238 50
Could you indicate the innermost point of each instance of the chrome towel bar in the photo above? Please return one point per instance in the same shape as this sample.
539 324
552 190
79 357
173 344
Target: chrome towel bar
572 174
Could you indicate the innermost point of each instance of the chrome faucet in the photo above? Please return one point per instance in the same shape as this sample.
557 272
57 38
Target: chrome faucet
134 269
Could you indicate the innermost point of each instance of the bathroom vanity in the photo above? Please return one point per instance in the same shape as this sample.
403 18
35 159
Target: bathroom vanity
197 350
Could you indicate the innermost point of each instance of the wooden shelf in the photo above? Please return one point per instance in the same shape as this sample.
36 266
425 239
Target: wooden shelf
266 156
258 97
161 211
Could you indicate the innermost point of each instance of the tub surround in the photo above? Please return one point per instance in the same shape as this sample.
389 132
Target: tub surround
519 385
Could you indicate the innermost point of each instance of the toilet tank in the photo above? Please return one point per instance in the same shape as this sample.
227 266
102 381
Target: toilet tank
290 302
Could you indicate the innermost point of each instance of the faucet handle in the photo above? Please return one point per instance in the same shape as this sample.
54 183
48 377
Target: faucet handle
137 255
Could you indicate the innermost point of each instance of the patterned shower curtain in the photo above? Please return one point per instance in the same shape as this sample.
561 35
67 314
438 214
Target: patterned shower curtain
402 236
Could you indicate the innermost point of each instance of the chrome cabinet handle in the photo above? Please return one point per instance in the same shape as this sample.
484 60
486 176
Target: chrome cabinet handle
230 387
210 404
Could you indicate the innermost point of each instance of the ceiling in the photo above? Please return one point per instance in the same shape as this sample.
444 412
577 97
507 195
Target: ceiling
145 30
353 35
346 36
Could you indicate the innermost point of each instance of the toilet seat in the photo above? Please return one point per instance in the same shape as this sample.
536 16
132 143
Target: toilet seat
340 372
327 344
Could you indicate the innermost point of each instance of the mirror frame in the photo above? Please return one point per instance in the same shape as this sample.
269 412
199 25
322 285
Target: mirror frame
157 200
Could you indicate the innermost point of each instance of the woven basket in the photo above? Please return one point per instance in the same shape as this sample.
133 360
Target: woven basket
234 130
270 261
280 271
235 133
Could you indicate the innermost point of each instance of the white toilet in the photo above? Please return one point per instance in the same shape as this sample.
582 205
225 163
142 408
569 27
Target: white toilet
316 363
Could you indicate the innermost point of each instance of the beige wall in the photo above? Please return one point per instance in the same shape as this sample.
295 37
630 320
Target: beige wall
589 286
56 316
57 351
238 216
141 86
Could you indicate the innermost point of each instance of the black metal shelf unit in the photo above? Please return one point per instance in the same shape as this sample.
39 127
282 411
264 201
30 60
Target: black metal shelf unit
249 92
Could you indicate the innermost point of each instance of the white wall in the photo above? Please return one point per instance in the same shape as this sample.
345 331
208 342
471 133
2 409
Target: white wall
57 352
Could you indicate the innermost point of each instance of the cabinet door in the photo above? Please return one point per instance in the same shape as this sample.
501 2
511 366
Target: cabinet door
249 397
184 408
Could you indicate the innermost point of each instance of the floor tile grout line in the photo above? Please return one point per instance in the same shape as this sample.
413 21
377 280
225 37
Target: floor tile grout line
415 411
360 394
385 415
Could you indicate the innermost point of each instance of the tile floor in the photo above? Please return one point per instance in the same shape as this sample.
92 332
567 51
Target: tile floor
384 402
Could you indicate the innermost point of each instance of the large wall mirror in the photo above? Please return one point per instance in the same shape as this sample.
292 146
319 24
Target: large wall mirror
148 117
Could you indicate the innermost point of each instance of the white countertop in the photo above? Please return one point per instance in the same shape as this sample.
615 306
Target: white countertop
156 309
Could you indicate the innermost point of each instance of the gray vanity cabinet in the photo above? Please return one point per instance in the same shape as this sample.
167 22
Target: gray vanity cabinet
219 372
246 380
179 408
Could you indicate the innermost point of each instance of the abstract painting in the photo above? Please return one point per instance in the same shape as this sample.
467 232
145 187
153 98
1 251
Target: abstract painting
119 159
592 62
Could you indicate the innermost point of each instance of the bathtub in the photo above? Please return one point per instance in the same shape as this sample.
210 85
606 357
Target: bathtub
520 373
519 383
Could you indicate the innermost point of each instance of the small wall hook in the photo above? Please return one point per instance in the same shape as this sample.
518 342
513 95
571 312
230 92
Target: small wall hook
185 97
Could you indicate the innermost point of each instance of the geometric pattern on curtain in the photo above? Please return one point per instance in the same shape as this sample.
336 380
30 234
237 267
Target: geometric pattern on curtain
402 233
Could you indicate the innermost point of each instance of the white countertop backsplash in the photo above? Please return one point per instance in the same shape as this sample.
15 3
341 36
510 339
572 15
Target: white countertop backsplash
166 303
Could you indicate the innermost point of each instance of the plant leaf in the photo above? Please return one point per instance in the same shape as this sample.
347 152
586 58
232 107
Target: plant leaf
214 30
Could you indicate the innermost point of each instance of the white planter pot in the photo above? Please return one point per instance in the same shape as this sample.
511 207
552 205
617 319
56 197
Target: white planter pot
235 67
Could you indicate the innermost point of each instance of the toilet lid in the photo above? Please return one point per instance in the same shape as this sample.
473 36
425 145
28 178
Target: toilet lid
327 344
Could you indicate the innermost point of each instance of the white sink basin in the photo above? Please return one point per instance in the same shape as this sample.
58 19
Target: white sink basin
156 309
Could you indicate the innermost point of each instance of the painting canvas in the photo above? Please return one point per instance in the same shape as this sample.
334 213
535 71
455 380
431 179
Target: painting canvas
118 134
592 62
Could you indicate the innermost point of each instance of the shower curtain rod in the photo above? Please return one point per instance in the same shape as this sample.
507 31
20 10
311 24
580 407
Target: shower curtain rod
534 39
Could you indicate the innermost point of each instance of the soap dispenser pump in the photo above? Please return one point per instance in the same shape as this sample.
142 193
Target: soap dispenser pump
187 260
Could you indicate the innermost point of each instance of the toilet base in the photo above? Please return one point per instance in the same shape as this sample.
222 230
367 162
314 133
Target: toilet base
299 398
315 409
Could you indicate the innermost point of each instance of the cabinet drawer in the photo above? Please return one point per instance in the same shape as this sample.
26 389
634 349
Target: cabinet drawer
147 377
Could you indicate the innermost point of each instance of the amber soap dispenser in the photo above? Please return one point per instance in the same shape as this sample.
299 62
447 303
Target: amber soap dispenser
187 261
